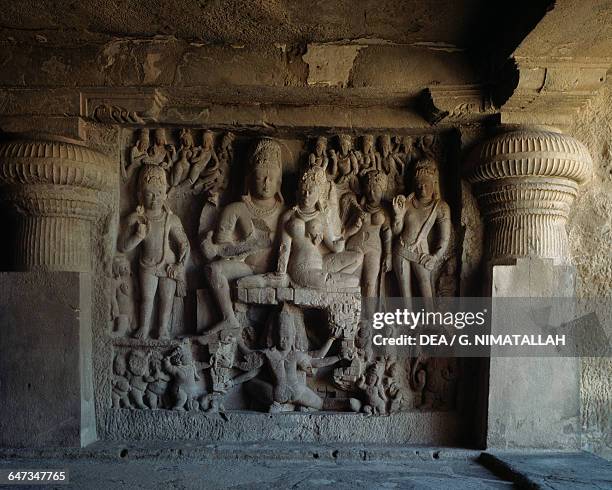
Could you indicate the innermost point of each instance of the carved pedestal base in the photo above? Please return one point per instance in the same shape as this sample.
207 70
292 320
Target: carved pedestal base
343 306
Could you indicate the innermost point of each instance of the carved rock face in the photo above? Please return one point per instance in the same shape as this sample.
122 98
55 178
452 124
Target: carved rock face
324 272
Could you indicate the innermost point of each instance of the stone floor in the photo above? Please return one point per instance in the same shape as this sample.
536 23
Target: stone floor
255 466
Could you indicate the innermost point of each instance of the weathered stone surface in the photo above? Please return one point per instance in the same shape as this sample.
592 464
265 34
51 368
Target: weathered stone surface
558 471
589 240
533 401
407 427
262 465
46 379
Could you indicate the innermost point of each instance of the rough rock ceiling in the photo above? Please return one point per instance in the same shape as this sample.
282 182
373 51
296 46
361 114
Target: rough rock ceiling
444 24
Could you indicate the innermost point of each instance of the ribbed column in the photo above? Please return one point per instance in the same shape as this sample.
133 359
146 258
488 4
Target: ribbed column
57 189
526 180
58 243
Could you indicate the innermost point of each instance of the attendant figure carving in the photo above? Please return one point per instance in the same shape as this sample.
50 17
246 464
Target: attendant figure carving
225 159
369 158
370 234
185 376
139 378
158 381
138 154
319 158
187 151
344 168
415 217
161 153
123 310
204 165
392 165
158 233
120 384
375 398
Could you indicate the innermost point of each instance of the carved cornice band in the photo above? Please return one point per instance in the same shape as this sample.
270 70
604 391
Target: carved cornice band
526 181
56 187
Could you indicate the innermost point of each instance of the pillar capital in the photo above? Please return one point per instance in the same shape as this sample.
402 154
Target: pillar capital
57 187
526 179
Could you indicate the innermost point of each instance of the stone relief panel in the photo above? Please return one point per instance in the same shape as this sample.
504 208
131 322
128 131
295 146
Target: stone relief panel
242 262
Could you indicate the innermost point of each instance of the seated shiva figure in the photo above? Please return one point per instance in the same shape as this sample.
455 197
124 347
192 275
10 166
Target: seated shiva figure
305 231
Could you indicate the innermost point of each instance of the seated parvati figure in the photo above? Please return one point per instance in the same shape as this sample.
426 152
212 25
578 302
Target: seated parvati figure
415 216
164 247
305 231
287 367
370 233
244 240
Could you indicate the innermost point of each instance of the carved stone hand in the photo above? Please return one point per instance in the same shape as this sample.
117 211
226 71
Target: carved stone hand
429 262
142 230
387 264
399 204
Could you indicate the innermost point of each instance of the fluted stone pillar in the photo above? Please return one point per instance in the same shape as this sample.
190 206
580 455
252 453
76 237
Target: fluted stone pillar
526 180
58 189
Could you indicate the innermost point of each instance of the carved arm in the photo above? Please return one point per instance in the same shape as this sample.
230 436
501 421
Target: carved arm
444 228
399 211
327 361
285 248
321 353
134 232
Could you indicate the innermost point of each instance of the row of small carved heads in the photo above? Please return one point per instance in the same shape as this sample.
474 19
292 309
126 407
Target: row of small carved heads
186 137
